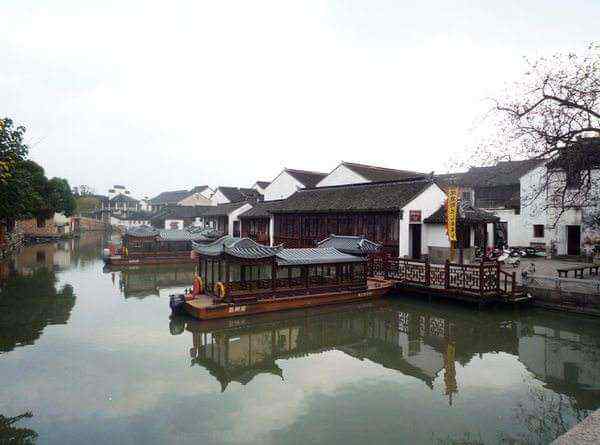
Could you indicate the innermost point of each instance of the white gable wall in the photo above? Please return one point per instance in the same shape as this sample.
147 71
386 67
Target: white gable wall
341 175
282 186
427 202
219 198
234 216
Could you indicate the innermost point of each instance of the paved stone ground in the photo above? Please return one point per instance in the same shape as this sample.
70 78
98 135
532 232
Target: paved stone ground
543 267
585 432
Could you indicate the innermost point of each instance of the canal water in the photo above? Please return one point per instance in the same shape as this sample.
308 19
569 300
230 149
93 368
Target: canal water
91 356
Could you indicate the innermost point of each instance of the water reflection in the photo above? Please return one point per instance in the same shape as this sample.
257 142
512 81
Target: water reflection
28 303
149 280
394 371
419 340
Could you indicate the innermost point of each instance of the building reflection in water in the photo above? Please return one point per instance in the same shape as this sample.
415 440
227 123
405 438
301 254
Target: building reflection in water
418 340
148 280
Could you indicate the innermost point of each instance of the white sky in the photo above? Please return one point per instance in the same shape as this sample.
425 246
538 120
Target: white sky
160 95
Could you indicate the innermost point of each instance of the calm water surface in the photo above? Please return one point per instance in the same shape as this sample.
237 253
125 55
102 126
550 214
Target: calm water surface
91 356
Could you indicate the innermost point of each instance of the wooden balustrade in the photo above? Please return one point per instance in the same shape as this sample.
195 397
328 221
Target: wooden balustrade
475 279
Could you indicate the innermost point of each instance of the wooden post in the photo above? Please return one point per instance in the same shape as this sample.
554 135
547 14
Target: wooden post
427 273
273 273
306 273
481 279
514 284
447 274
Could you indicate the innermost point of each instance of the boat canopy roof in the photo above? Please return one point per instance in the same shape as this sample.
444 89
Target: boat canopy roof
246 248
356 245
192 234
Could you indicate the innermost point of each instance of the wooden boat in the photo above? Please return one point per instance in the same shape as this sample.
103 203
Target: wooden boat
144 245
237 276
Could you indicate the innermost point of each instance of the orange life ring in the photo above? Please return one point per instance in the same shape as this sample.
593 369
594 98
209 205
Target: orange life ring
220 290
198 286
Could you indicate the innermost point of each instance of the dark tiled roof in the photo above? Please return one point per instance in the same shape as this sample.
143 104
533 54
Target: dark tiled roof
263 184
369 197
445 180
181 212
199 188
380 174
123 198
170 197
250 249
466 213
354 245
320 255
181 235
101 198
580 155
223 209
306 178
234 194
141 231
503 173
262 209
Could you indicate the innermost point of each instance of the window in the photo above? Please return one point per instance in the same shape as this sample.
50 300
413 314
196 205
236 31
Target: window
466 196
573 178
538 231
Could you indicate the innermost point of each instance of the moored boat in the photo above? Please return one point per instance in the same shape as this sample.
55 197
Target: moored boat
144 245
237 276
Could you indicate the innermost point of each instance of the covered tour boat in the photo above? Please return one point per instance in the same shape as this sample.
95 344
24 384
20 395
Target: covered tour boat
146 245
237 276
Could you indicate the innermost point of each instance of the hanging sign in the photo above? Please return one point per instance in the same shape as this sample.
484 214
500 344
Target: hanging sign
414 216
451 213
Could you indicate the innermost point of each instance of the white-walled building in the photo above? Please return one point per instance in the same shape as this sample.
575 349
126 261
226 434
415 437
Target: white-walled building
224 218
353 173
390 213
130 219
507 190
289 181
197 196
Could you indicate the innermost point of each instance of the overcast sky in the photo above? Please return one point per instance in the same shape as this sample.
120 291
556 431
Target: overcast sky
160 95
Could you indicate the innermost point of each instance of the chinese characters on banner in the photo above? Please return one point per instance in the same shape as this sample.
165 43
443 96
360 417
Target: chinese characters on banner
451 214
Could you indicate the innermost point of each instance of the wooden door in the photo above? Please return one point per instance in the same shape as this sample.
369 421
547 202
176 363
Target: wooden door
415 243
573 240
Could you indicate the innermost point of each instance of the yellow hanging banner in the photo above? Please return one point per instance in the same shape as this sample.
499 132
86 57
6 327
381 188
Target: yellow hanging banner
451 213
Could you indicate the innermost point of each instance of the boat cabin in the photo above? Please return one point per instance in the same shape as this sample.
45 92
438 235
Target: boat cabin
146 240
235 268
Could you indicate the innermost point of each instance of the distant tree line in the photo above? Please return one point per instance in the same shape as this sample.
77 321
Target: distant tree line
25 191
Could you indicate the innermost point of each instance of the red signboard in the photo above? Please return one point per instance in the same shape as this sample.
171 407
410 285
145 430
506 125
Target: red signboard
414 216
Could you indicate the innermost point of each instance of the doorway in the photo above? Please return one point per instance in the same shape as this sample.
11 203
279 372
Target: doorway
415 241
573 240
236 229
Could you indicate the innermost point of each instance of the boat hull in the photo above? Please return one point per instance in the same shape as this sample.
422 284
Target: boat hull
375 289
140 261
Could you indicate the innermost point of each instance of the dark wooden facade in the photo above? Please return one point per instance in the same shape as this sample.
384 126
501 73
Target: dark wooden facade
256 229
306 230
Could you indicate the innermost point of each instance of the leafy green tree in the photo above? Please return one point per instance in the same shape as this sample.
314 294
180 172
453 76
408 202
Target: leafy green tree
24 194
60 198
12 148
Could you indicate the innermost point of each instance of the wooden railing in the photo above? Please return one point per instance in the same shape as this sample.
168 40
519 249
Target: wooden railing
482 279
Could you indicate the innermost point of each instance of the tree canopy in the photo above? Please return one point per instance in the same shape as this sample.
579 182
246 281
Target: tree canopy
25 191
552 114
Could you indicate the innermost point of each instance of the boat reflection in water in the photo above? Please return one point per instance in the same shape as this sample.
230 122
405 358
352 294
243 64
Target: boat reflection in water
417 339
145 281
